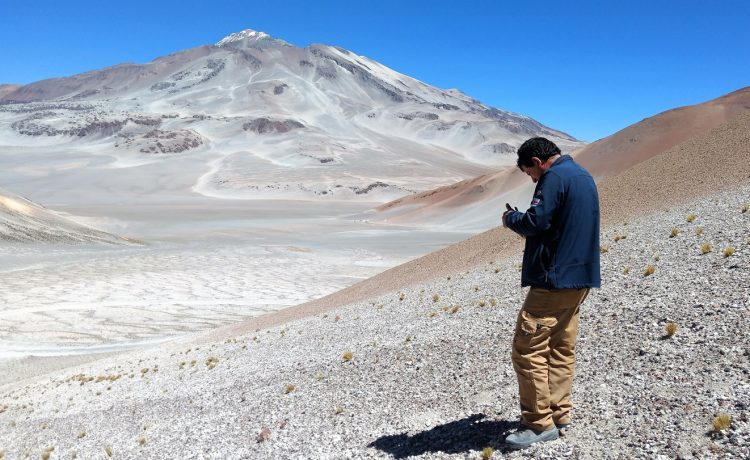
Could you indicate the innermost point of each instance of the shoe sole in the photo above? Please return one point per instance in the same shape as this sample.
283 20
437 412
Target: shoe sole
551 437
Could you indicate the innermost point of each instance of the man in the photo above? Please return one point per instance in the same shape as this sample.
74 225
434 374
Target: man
561 264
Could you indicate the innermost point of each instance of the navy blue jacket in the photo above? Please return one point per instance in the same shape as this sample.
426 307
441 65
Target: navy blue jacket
561 229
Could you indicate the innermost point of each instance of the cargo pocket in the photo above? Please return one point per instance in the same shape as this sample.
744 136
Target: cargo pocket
532 329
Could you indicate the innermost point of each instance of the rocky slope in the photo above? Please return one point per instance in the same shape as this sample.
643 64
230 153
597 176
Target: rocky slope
430 373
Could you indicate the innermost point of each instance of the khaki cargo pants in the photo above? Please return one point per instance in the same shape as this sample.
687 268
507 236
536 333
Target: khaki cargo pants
544 354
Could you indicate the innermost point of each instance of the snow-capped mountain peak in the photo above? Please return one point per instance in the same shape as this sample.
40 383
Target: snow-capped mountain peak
247 36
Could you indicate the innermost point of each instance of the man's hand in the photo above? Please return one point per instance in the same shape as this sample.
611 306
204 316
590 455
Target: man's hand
506 214
508 210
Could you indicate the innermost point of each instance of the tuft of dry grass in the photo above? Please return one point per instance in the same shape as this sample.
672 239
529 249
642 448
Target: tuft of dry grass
745 208
347 356
432 314
706 248
338 410
650 270
699 231
493 302
81 434
626 270
603 249
674 232
722 422
47 452
728 251
619 237
142 441
408 338
670 329
288 388
482 303
455 309
487 453
108 451
691 217
435 297
211 362
657 257
401 296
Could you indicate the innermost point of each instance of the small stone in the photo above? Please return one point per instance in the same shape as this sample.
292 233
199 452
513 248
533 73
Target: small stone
263 436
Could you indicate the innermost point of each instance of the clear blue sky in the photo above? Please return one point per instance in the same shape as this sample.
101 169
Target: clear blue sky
588 68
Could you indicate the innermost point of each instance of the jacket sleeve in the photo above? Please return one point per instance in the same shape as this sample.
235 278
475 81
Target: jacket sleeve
544 204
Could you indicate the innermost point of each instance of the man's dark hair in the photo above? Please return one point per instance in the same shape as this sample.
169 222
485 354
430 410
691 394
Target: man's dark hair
539 147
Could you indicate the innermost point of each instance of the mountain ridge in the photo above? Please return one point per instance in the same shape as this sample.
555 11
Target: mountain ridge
260 121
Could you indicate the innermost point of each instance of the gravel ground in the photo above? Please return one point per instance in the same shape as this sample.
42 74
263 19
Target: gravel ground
430 376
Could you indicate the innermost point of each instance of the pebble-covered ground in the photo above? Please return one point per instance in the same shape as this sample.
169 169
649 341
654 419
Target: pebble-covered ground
426 373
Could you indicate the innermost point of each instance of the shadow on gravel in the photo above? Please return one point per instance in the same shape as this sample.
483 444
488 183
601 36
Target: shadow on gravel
470 433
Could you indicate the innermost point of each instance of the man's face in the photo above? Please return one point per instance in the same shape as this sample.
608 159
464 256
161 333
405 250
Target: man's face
535 171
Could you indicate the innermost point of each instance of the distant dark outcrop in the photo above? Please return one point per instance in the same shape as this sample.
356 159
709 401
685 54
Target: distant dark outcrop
172 141
268 126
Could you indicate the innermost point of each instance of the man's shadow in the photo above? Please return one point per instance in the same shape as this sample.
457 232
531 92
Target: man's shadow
470 433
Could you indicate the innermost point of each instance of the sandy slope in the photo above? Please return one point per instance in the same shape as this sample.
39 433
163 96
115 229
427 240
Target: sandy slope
23 221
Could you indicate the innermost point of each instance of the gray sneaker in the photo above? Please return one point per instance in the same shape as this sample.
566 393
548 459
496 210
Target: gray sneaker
562 428
525 437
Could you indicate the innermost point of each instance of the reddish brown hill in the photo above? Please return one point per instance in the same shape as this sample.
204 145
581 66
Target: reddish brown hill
654 135
604 158
7 89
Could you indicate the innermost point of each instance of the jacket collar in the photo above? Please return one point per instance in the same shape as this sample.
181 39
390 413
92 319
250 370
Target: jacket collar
562 159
